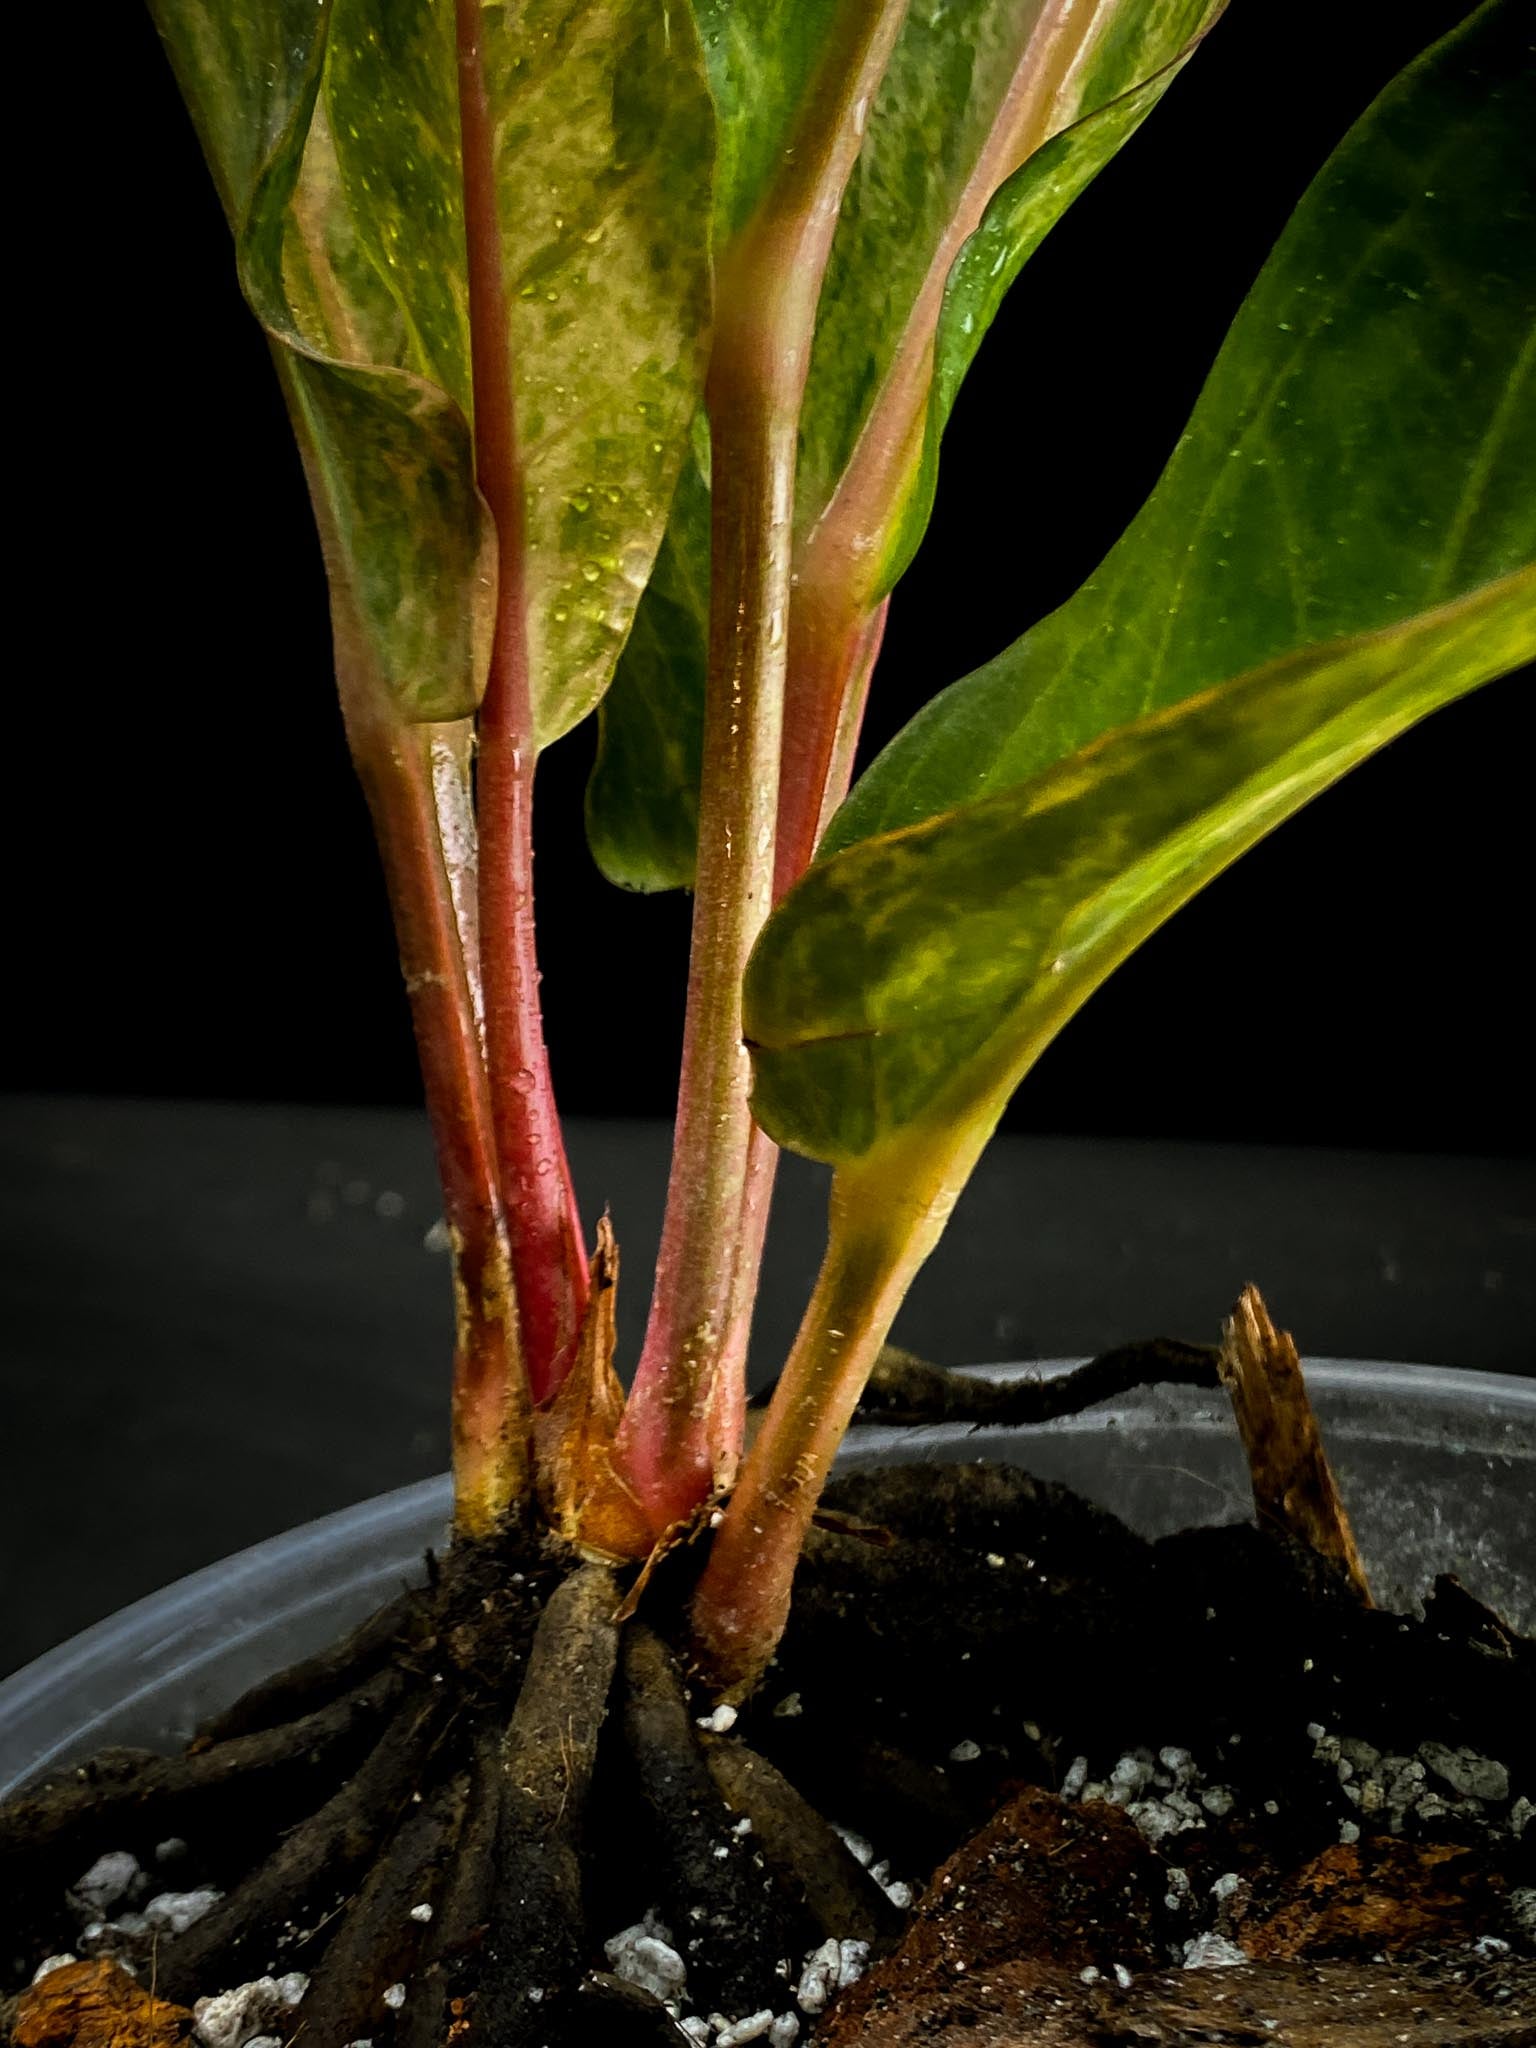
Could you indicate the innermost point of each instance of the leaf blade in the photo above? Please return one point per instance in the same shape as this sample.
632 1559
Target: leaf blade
333 133
1052 840
1316 542
937 143
911 979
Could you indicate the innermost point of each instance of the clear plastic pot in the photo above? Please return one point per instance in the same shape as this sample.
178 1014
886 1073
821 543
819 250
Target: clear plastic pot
1438 1468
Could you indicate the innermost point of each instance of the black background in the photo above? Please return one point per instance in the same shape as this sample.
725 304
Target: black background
199 904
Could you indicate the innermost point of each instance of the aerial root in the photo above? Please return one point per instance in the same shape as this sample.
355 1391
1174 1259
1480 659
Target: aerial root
904 1391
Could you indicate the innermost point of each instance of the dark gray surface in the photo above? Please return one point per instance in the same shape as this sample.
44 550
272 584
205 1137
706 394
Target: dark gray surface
219 1322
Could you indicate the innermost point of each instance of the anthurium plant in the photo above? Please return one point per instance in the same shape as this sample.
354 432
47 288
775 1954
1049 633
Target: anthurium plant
619 338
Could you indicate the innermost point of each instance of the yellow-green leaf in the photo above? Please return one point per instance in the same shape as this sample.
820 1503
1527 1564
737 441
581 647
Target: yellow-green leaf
909 982
975 89
333 133
1362 449
1343 541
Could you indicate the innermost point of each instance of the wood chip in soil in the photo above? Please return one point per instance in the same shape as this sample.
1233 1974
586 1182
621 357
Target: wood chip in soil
1044 1932
96 2005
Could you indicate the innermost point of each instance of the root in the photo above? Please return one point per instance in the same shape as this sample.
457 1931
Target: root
458 1925
432 1791
712 1879
317 1680
536 1944
910 1808
806 1851
321 1856
380 1939
57 1829
906 1391
621 2015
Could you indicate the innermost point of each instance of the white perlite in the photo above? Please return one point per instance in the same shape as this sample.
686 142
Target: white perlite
1158 1793
176 1911
852 1962
965 1752
236 2018
1213 1952
49 1964
752 2028
1468 1774
394 1997
1522 1910
861 1850
1394 1790
720 1722
110 1878
832 1967
421 1912
644 1955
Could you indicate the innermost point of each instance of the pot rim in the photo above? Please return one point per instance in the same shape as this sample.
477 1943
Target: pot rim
246 1593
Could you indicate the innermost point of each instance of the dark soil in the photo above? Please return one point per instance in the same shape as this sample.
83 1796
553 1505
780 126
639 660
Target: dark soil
1119 1755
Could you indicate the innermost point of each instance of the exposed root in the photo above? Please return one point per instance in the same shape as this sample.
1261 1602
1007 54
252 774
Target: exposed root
382 1935
442 1984
908 1805
904 1390
61 1825
733 1925
312 1864
537 1941
620 2015
313 1682
808 1854
900 1705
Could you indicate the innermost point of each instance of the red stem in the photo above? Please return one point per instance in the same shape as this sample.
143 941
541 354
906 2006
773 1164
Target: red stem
682 1428
730 1394
832 655
742 1598
850 719
548 1255
682 1425
490 1390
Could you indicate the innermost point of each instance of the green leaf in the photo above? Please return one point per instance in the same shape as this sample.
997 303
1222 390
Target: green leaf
643 793
1362 449
1344 540
333 132
761 56
1017 221
973 91
906 984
